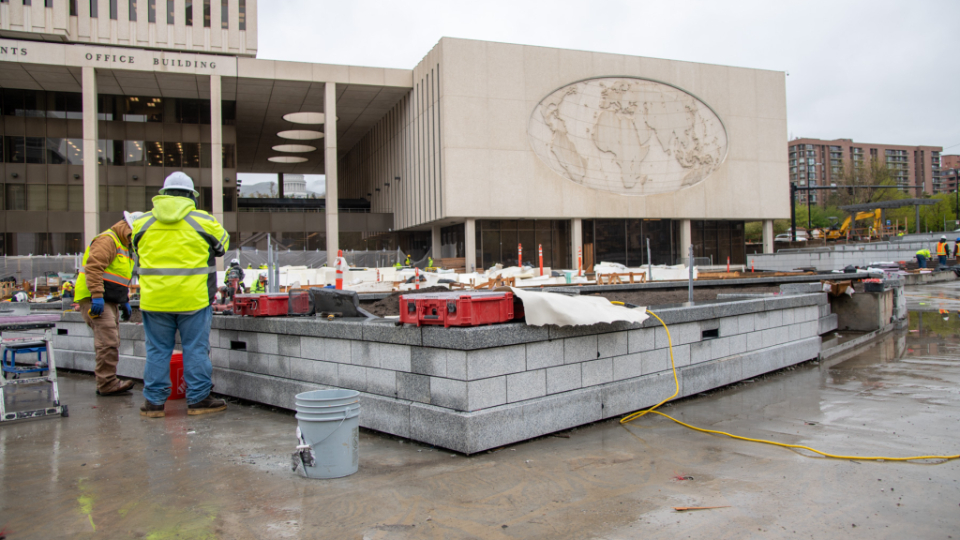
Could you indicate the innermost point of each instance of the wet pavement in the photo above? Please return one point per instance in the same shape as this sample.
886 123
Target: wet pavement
106 472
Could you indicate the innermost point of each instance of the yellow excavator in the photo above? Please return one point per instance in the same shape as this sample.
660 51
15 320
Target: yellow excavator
836 233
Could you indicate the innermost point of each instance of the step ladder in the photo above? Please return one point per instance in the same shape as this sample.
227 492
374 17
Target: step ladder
34 344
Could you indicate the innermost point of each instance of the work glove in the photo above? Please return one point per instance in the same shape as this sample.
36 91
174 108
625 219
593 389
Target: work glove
96 306
125 311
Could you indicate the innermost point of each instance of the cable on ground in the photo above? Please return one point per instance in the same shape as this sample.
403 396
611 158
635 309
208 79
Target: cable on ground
631 417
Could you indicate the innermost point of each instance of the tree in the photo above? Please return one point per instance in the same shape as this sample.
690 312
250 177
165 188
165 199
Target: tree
872 173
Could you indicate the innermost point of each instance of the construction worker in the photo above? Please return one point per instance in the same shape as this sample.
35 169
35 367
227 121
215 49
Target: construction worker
942 250
234 272
396 265
103 288
430 262
407 262
922 257
956 250
66 288
260 286
177 245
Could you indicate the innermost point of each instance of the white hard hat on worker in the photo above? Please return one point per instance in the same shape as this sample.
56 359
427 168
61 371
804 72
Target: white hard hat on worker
179 181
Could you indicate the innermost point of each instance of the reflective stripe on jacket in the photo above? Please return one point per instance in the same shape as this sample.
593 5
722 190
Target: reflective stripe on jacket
177 246
116 276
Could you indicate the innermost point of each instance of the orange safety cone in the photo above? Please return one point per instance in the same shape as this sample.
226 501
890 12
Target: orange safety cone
728 264
520 255
579 262
541 260
417 277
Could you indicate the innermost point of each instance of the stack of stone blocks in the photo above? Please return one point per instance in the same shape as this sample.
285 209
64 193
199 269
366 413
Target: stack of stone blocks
471 389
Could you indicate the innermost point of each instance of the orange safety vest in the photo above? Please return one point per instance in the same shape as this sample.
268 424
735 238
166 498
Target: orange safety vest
941 248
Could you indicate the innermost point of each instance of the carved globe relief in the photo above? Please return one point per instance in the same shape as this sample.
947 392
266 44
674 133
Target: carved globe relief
628 136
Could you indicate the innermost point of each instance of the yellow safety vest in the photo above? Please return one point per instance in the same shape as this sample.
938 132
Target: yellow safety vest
178 272
117 273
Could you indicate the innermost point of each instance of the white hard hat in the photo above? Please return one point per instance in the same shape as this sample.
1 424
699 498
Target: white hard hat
130 217
181 181
235 261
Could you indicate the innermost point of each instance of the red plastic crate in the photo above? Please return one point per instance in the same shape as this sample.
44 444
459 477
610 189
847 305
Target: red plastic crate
459 308
300 302
262 305
178 388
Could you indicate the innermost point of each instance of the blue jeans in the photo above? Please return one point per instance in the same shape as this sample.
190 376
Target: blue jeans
943 260
161 331
921 261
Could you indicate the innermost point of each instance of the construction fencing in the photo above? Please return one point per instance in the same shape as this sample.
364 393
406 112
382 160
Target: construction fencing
318 259
37 266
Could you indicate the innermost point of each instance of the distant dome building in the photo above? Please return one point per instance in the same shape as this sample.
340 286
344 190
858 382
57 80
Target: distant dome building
294 186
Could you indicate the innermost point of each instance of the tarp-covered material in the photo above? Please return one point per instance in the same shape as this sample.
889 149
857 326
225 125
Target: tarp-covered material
542 308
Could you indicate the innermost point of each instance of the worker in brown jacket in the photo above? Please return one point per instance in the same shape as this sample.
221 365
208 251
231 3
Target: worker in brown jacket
102 292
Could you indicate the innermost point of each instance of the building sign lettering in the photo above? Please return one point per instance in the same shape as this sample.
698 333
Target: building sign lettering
13 50
113 58
183 63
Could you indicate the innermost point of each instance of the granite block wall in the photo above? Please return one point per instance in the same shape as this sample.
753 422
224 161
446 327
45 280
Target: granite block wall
490 385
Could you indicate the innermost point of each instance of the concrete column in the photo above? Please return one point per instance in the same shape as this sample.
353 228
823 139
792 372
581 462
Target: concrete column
330 170
435 243
280 185
685 240
768 236
576 240
91 181
216 149
470 244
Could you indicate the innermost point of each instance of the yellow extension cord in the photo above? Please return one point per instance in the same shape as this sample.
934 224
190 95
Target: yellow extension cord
638 414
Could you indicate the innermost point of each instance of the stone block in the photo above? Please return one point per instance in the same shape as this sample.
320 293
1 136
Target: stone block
785 302
554 413
701 352
563 378
808 313
385 414
562 332
801 288
382 382
288 346
738 307
631 395
773 336
482 337
768 319
580 349
313 348
440 427
126 347
746 323
641 340
596 372
428 361
485 363
656 361
789 316
736 344
612 344
448 393
300 369
365 353
680 334
674 316
456 364
129 366
395 357
135 331
544 354
139 349
218 357
824 310
486 393
526 385
413 387
709 375
628 366
828 323
352 377
809 329
491 428
226 336
338 350
755 340
729 326
386 331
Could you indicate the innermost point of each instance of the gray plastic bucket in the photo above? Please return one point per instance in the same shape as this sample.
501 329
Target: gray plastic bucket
328 428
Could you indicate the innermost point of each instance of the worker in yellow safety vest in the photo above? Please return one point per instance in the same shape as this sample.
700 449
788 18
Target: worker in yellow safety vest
103 294
260 286
177 246
942 249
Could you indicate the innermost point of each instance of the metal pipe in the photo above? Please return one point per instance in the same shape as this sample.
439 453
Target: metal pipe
269 262
690 286
649 262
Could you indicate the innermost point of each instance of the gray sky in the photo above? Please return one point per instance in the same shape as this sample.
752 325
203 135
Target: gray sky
874 71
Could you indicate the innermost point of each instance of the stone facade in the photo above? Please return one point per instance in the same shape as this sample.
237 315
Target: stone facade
470 389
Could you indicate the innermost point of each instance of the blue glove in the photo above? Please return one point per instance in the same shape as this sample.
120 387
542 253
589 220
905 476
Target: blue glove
125 312
96 307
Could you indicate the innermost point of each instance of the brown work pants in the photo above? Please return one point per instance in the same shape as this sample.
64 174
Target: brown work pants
106 341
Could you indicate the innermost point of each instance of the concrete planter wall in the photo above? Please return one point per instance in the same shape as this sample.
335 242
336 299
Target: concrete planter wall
472 389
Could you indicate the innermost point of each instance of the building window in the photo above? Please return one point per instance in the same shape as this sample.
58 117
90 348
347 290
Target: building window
242 18
58 198
206 13
16 197
225 14
64 151
189 12
113 9
154 153
35 150
73 8
133 153
94 8
152 11
132 10
171 8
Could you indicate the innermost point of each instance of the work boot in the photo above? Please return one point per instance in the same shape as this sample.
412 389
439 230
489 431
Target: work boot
151 411
209 404
122 387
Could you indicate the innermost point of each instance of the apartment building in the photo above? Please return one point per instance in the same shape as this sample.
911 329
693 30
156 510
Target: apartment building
818 162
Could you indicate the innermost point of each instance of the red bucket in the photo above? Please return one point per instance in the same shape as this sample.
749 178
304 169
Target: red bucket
178 388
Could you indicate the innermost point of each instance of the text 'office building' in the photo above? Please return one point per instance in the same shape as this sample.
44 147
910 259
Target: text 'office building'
480 147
